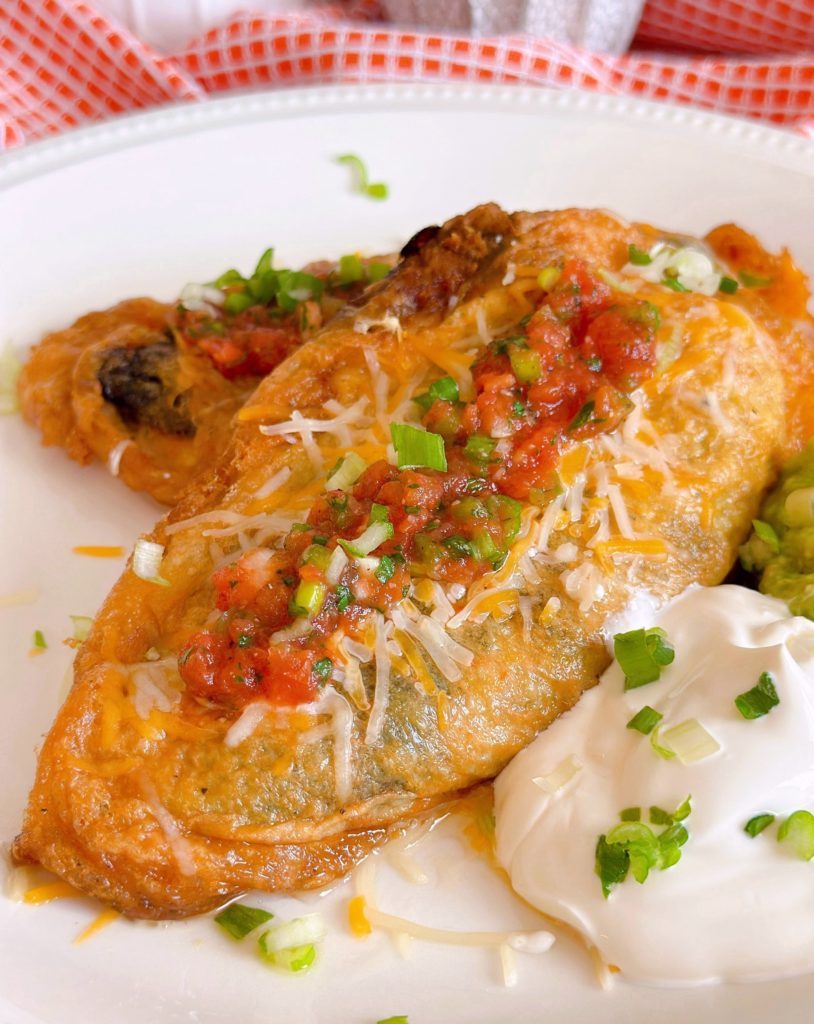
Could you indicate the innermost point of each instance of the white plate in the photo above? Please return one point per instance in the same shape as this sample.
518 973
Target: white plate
146 203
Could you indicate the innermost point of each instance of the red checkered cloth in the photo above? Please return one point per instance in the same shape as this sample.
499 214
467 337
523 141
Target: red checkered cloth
63 64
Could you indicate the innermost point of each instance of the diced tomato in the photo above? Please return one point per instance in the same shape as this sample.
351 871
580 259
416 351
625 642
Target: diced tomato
215 668
577 294
622 337
290 678
238 584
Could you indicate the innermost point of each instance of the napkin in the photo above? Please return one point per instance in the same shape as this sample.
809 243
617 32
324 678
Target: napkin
64 63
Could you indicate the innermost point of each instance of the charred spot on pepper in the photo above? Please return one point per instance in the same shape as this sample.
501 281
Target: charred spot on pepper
141 382
419 240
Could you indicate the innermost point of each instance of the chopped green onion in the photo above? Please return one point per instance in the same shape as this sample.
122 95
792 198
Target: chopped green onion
635 846
368 540
690 741
81 626
401 1019
375 190
459 547
238 919
799 506
351 269
642 654
754 826
479 448
343 598
147 558
446 389
638 257
237 302
674 284
583 417
767 534
385 569
798 831
645 721
346 472
760 700
39 640
318 555
753 280
484 547
294 940
663 752
612 864
683 810
298 958
526 364
379 513
658 816
548 277
728 285
377 271
417 448
323 668
309 597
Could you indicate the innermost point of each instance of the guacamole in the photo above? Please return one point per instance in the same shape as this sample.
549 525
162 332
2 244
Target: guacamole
781 547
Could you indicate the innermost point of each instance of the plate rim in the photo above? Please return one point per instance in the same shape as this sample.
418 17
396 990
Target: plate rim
21 164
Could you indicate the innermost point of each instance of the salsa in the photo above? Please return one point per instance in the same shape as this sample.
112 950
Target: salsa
564 376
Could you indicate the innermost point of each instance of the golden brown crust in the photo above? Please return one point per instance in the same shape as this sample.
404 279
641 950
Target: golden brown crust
113 787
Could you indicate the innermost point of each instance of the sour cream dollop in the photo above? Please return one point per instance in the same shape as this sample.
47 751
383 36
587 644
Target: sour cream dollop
733 907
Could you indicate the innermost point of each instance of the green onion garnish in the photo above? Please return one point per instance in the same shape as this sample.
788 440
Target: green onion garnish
479 448
612 864
728 285
635 847
377 533
526 364
238 919
798 831
548 277
459 547
373 190
754 826
351 269
760 700
642 654
377 271
645 721
309 597
753 280
323 668
445 389
346 472
401 1019
658 816
81 626
385 569
674 284
39 640
584 416
767 534
291 946
658 748
417 448
638 257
